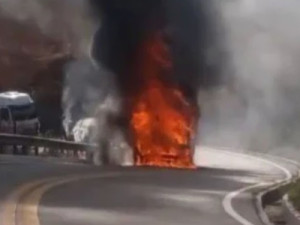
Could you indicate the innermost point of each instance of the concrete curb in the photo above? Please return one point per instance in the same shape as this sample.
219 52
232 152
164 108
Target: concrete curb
274 191
292 210
261 212
273 194
267 196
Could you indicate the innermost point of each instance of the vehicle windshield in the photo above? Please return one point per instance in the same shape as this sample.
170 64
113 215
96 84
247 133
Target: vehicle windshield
4 114
23 112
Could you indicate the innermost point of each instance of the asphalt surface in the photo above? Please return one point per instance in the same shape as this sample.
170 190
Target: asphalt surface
81 194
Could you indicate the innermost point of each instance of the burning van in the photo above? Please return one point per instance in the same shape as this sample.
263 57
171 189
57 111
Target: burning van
153 57
148 46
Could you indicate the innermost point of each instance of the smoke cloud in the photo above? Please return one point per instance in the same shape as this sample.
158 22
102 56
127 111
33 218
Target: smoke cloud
196 48
259 109
251 45
67 20
90 96
85 86
186 26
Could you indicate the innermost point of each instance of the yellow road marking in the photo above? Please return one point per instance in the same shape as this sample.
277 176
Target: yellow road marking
10 206
21 208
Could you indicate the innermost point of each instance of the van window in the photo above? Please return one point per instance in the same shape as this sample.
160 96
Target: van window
4 114
23 112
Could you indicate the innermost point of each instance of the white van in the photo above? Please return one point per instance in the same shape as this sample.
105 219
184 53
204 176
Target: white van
113 148
85 131
18 114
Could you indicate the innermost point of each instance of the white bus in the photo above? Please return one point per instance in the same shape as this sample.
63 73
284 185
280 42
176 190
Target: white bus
18 114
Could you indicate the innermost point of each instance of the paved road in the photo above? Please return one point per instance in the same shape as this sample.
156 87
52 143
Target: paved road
41 191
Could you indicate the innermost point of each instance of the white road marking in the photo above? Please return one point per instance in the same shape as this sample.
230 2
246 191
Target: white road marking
227 202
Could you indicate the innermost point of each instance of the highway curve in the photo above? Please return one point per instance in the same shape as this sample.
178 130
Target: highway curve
36 191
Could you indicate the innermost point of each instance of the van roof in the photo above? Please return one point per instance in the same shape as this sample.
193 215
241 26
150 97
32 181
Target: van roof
14 98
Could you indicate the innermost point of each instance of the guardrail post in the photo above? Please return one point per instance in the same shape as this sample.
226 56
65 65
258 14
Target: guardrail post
52 147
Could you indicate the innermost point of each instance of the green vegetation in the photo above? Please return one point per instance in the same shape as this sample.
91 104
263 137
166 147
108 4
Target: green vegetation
294 194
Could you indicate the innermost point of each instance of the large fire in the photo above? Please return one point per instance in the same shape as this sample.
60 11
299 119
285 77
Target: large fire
162 119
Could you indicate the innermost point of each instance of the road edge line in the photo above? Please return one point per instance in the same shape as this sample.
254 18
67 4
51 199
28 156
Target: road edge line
289 205
11 202
227 201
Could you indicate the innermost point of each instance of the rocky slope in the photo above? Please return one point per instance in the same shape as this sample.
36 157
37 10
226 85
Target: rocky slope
33 62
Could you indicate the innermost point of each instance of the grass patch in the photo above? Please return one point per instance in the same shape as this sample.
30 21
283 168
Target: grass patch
294 194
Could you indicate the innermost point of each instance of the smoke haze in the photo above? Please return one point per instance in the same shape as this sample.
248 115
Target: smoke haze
259 109
187 29
67 20
259 106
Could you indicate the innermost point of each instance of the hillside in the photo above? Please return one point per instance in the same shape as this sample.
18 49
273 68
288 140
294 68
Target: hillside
33 62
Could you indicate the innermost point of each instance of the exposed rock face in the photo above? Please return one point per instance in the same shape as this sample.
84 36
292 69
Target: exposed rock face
33 62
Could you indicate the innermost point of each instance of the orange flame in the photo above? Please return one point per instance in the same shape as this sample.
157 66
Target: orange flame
162 120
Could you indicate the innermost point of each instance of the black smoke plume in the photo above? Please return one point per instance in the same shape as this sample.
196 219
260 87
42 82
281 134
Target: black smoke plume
188 28
187 25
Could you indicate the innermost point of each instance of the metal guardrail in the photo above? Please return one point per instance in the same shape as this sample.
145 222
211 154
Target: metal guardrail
52 144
